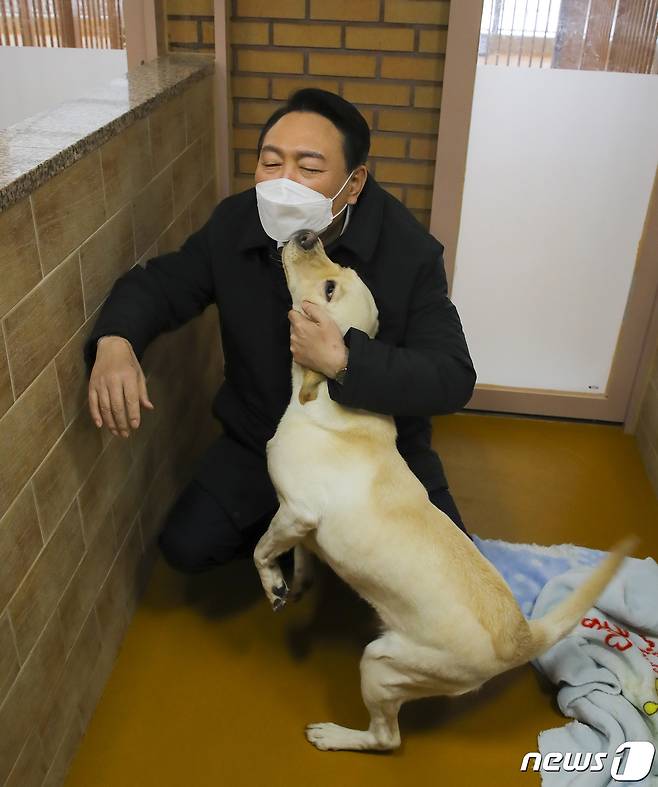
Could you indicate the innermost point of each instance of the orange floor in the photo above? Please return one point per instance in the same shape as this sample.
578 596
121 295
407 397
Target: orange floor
212 688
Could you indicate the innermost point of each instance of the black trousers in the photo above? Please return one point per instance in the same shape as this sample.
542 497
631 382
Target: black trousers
199 534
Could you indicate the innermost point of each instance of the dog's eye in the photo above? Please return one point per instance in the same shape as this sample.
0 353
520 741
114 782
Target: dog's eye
329 287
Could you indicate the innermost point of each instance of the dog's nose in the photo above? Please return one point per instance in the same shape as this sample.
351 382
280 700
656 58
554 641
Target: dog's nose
306 239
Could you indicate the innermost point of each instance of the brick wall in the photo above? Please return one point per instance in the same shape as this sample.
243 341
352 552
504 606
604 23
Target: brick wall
386 56
79 508
646 431
190 25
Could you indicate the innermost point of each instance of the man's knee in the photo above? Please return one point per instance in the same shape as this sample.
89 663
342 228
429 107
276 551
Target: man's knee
179 554
197 534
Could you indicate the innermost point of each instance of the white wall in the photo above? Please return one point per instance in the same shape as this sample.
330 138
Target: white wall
34 79
559 172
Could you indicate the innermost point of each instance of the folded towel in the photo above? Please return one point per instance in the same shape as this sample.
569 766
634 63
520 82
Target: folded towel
607 667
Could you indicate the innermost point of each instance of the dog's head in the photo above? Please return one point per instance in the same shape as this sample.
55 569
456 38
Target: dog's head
312 276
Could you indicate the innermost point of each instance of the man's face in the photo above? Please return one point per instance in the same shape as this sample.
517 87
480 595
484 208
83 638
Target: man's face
308 148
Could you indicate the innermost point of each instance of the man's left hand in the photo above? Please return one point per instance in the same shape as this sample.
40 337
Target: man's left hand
316 341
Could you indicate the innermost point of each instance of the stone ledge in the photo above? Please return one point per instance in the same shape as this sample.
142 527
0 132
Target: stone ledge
36 149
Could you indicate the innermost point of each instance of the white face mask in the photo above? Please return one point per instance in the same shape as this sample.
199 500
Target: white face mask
285 207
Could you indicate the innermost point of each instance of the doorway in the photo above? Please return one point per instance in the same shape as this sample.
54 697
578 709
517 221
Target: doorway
546 169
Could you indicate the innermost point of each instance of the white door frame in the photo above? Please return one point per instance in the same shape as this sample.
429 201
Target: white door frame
638 336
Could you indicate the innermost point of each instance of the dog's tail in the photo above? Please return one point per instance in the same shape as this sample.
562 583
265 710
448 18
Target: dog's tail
549 629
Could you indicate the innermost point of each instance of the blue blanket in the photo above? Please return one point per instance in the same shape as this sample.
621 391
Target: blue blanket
528 567
606 669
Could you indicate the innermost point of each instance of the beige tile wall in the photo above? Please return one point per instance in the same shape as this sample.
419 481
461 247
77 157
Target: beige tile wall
646 431
79 508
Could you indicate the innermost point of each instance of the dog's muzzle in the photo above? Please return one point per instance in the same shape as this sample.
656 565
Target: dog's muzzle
305 238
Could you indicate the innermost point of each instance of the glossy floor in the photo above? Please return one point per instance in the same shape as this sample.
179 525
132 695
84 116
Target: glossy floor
212 688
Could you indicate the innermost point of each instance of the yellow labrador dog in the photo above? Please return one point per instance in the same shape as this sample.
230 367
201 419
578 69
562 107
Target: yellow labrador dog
449 621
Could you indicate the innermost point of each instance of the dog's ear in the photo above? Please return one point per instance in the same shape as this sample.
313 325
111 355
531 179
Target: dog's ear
310 382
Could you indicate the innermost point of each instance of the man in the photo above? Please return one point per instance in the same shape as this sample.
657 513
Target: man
311 173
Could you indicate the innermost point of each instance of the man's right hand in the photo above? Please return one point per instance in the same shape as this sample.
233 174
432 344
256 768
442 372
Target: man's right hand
117 386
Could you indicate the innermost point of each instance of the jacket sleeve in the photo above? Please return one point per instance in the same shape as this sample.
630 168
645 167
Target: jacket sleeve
430 374
168 291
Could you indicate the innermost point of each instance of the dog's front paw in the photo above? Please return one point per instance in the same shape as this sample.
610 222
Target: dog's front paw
282 593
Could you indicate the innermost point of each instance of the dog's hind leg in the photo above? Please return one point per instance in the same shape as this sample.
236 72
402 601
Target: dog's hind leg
393 670
286 530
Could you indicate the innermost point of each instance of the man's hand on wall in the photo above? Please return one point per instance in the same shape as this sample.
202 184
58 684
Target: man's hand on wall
117 386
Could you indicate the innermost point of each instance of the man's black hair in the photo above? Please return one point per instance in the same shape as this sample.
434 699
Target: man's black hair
344 115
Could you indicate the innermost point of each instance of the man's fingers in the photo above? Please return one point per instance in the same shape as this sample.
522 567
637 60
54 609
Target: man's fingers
296 316
302 325
313 311
93 407
106 408
143 393
131 395
118 405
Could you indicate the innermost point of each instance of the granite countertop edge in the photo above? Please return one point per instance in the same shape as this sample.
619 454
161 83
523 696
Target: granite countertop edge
30 153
